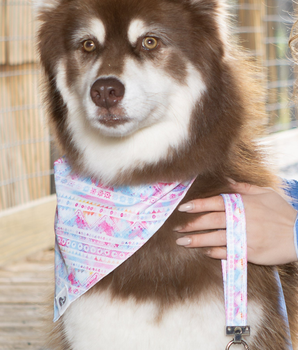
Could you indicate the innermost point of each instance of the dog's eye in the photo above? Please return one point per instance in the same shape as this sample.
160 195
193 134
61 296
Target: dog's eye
89 45
149 43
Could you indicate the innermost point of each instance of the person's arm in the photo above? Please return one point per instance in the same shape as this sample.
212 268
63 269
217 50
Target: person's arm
270 222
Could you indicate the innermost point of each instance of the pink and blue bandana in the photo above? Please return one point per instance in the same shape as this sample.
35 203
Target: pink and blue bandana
98 228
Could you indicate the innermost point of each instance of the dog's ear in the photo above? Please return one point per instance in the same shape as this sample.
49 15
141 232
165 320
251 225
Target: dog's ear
221 10
45 5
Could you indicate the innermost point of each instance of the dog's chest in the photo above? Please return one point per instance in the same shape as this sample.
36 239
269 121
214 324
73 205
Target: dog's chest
96 322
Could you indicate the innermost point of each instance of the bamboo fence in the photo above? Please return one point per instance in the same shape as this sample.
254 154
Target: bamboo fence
264 28
24 137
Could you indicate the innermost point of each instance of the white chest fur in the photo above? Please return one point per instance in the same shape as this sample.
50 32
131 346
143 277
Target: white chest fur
95 322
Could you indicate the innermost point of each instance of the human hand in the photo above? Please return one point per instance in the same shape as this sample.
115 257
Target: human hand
270 223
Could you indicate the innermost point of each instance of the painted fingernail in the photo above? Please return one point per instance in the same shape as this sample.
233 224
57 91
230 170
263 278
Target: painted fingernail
184 241
231 181
186 207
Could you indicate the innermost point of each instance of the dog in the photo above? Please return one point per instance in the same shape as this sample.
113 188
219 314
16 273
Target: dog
147 91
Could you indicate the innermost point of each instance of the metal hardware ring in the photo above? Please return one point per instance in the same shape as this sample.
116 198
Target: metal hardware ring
232 343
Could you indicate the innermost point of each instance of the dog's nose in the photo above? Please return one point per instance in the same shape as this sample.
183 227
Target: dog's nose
107 92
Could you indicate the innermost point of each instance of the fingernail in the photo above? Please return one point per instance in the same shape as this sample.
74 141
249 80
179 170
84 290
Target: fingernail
186 207
184 241
178 228
231 181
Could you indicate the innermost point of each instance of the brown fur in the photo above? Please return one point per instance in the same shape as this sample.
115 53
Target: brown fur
224 124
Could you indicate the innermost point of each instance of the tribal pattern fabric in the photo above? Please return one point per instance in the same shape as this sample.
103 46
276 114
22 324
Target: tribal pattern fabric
98 228
235 267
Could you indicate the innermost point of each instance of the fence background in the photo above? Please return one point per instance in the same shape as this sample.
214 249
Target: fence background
264 28
24 136
25 144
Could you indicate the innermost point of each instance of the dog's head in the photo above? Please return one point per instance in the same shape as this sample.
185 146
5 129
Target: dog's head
136 83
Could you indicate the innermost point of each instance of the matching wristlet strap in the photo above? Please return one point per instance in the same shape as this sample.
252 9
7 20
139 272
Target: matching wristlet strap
235 267
234 271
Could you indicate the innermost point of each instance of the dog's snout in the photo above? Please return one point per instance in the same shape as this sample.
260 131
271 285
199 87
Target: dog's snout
107 92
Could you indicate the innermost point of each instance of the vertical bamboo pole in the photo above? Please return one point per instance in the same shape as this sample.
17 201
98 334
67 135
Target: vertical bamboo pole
2 32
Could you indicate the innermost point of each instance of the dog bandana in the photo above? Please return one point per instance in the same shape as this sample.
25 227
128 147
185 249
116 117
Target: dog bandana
98 228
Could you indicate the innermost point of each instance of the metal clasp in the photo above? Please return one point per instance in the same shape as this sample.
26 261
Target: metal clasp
238 332
244 343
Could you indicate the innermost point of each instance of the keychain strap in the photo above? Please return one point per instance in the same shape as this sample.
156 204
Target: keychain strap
235 270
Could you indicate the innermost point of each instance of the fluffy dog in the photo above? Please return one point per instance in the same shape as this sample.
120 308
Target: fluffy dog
144 91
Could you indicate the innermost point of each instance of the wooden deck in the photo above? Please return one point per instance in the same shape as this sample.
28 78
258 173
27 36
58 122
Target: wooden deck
26 274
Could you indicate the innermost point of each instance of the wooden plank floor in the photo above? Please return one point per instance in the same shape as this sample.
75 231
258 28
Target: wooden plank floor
26 273
24 289
26 229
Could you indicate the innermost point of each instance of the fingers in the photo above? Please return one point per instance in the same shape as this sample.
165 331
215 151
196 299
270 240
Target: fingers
215 203
210 221
217 253
211 239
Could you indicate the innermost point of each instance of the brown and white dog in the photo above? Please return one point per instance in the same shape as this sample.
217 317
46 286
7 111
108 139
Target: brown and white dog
143 91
